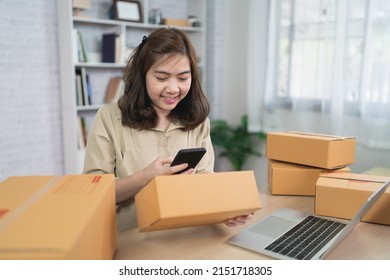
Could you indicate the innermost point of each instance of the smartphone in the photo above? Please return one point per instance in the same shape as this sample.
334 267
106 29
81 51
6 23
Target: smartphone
191 156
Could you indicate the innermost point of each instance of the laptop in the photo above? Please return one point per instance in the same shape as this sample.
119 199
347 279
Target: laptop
296 235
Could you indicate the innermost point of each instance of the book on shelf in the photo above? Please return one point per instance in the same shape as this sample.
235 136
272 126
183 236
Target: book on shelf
82 49
114 89
112 48
82 132
119 48
89 89
79 90
83 87
75 46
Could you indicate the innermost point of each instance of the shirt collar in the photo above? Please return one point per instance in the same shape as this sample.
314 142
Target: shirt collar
171 127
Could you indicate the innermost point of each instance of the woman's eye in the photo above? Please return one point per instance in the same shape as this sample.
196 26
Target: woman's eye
161 78
183 79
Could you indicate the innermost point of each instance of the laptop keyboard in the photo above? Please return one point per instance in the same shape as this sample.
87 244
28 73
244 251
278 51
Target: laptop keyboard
305 239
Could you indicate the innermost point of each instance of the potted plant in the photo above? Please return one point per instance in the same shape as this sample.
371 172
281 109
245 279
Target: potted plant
236 142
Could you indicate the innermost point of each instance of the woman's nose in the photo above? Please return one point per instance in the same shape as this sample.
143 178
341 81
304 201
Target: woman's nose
172 86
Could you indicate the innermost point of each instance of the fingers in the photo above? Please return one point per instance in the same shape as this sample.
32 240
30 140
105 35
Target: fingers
233 222
239 220
161 166
177 168
189 171
230 223
164 161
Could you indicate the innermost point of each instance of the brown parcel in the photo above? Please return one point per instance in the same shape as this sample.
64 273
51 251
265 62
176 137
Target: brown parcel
176 22
342 195
323 151
293 179
58 217
199 199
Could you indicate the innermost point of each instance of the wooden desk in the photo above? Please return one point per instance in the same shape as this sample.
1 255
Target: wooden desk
367 241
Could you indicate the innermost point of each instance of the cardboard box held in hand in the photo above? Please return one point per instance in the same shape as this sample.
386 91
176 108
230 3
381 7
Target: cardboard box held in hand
189 200
58 217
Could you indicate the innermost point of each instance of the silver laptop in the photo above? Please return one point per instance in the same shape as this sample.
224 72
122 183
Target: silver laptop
292 234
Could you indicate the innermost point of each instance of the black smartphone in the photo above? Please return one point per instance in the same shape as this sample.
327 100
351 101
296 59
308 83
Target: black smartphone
191 156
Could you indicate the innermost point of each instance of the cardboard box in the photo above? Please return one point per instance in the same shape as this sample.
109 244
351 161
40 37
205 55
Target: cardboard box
294 179
323 151
58 217
199 199
176 22
342 195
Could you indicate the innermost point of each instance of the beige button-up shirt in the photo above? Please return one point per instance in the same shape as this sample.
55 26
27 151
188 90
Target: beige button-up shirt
120 150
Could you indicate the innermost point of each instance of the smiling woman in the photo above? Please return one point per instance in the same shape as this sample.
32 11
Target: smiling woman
162 111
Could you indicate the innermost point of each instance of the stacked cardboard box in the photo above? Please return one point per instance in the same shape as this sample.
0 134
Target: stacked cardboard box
293 179
342 195
317 165
295 160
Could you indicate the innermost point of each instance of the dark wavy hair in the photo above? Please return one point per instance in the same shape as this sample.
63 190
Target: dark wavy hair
135 104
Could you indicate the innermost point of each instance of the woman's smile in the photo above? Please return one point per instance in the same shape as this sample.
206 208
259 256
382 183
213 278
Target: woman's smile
170 99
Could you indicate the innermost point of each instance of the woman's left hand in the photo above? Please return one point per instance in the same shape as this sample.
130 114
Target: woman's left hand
238 220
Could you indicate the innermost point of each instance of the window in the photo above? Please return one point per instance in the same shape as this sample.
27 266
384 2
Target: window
324 44
321 66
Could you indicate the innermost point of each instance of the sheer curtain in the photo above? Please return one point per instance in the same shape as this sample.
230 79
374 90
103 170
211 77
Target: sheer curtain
326 69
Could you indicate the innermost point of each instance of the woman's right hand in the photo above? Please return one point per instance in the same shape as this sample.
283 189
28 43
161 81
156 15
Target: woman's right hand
160 166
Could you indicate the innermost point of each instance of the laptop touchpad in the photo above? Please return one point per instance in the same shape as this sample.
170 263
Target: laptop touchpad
272 226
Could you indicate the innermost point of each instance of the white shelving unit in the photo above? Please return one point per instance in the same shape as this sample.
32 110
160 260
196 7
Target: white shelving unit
92 25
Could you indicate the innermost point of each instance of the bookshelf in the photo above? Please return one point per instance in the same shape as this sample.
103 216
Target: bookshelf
92 24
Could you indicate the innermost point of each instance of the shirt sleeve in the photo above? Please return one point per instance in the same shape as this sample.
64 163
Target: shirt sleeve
206 165
100 151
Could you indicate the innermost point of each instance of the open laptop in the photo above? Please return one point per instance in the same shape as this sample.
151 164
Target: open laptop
296 235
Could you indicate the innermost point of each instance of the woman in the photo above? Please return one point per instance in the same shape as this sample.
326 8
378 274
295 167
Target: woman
163 110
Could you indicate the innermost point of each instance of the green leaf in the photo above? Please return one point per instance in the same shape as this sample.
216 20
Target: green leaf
236 141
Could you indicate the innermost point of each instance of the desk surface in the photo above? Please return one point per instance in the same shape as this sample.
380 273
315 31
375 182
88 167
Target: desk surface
367 241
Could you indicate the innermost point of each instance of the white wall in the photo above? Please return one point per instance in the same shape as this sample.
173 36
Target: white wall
30 115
